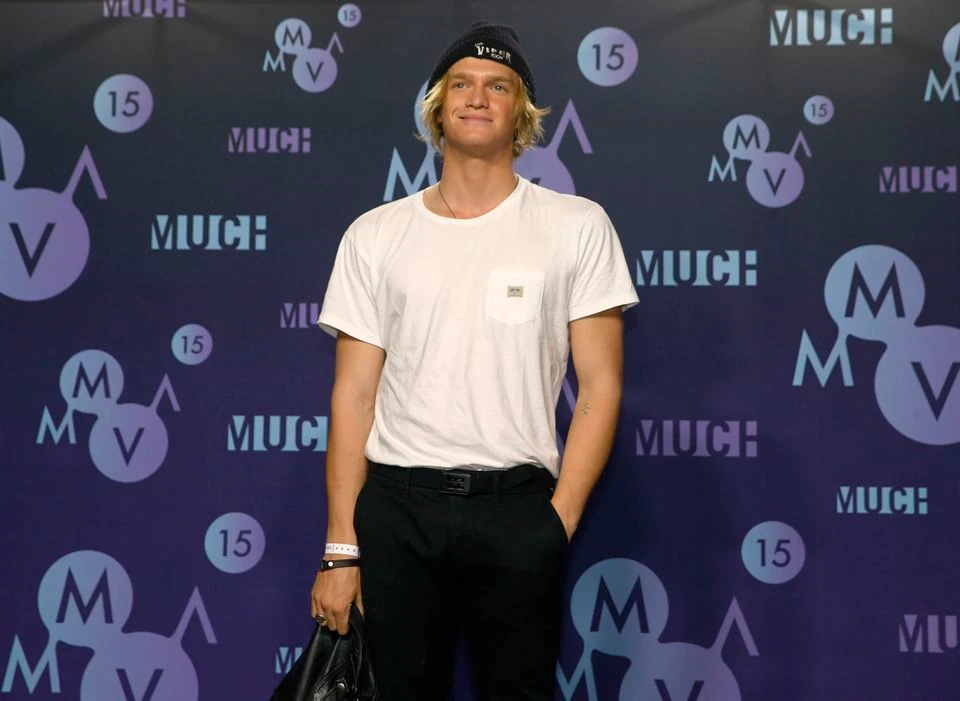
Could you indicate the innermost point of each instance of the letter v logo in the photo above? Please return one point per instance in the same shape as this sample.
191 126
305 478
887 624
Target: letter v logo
665 692
128 694
30 260
939 400
315 72
125 450
774 185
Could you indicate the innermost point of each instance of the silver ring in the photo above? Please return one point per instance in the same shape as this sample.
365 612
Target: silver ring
321 619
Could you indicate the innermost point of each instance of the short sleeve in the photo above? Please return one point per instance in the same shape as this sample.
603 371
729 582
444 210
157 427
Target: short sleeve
350 303
602 279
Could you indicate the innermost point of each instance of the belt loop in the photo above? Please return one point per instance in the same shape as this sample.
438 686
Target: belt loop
407 473
496 488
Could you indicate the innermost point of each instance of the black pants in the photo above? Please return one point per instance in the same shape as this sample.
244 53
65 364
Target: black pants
438 564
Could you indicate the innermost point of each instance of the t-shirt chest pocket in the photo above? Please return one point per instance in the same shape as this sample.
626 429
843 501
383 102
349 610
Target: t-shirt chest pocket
514 295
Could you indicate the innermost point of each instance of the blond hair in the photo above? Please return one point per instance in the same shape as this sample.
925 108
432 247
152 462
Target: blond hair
529 129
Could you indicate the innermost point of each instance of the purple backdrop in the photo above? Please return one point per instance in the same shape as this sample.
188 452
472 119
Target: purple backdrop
778 519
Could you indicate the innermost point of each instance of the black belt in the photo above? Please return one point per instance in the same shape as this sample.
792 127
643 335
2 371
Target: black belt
466 482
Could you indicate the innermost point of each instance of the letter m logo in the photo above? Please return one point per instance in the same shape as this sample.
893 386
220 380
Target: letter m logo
292 42
722 173
274 63
31 677
426 175
100 594
749 139
948 88
50 428
807 355
91 388
619 615
858 289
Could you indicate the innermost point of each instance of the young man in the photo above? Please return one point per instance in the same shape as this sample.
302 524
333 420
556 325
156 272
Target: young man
455 311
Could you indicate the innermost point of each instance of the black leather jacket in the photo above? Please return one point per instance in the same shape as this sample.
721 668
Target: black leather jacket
333 667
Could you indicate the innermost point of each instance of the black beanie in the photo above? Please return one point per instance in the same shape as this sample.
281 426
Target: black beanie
494 42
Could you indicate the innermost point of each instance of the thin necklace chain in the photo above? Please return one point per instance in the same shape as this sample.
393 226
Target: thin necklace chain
449 209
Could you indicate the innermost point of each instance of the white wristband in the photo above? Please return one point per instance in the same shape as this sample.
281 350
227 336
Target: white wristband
341 549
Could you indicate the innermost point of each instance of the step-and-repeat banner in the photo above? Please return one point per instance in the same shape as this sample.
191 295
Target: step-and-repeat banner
779 518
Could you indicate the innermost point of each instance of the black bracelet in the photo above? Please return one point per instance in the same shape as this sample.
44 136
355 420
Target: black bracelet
333 564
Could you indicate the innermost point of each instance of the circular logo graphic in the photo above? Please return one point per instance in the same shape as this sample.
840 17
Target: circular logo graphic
292 36
774 179
773 552
417 116
746 137
679 668
951 48
91 381
314 70
234 542
85 598
918 384
617 605
875 293
140 665
544 167
123 103
818 110
46 246
191 344
349 15
607 56
128 442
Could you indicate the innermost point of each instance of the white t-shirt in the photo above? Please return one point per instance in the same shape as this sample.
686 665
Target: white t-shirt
472 314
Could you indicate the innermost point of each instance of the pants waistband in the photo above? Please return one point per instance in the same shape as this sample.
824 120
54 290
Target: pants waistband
467 482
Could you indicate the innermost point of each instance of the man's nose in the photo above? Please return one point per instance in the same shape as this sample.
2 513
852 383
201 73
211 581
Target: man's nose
477 96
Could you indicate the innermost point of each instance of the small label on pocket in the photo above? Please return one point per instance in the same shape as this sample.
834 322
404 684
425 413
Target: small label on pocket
514 295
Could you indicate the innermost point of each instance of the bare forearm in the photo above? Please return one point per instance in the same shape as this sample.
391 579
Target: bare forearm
587 448
350 421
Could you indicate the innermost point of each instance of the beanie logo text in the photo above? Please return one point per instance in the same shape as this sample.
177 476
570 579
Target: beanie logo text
491 52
